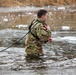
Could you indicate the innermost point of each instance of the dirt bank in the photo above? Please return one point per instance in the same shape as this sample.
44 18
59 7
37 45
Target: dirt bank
7 3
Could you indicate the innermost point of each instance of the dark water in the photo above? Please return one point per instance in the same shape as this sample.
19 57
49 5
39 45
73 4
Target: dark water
59 55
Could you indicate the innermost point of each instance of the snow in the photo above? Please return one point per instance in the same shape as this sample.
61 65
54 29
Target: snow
65 28
21 26
5 20
61 8
19 9
55 35
70 39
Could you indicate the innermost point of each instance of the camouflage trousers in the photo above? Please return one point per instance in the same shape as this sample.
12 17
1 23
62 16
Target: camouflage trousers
34 49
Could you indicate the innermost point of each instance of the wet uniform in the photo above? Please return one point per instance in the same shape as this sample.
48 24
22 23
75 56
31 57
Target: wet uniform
36 37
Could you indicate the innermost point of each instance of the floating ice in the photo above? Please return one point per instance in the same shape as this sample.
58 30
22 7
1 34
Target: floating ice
65 28
50 13
29 13
49 61
57 39
5 20
21 26
61 8
70 39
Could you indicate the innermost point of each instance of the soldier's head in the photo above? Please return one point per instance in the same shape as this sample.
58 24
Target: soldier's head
42 14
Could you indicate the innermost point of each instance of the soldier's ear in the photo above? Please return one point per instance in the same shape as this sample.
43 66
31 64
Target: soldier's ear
43 17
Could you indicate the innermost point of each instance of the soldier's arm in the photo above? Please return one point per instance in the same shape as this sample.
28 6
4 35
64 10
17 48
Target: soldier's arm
43 33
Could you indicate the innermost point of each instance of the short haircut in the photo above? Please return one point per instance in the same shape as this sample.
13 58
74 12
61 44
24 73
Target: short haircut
41 12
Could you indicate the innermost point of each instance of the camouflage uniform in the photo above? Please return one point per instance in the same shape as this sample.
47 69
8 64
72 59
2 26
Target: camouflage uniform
36 37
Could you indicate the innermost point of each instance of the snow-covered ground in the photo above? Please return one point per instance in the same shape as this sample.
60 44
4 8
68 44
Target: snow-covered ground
32 8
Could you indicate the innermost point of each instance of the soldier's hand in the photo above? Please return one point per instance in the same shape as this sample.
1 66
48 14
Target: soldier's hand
47 27
50 39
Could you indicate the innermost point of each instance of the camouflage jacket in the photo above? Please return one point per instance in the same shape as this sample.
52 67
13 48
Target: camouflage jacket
36 37
37 31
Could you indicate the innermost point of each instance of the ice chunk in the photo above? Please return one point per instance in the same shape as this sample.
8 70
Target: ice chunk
21 26
70 39
65 28
5 20
61 8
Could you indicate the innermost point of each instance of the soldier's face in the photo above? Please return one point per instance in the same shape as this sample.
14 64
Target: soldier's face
44 17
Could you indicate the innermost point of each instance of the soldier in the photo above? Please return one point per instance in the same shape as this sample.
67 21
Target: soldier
39 33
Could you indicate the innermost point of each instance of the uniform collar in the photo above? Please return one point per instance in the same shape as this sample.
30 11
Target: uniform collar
38 19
